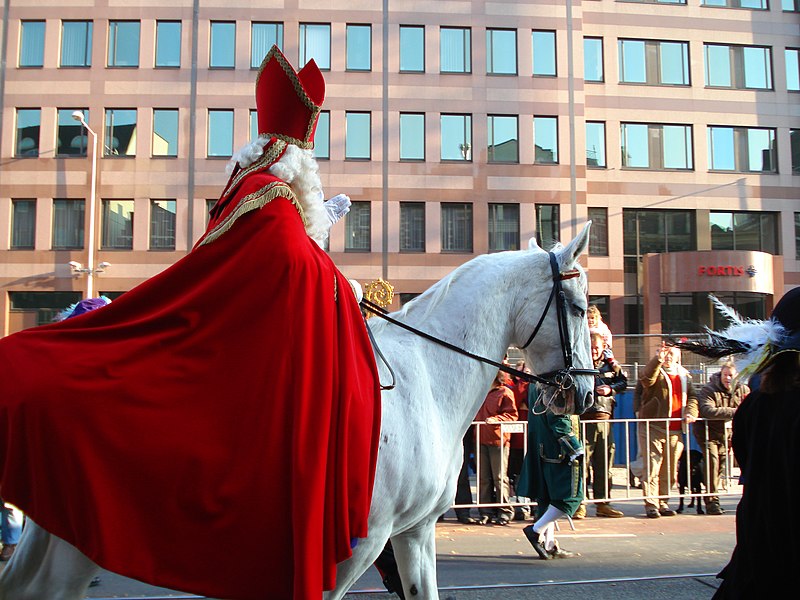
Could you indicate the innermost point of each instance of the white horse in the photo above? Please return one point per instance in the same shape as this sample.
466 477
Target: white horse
485 306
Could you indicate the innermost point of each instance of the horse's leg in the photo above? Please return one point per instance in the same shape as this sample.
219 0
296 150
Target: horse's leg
348 571
45 566
415 551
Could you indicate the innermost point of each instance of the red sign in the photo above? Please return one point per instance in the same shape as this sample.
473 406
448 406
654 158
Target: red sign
720 271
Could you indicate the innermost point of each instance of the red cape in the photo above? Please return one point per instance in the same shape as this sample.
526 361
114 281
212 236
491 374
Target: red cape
213 430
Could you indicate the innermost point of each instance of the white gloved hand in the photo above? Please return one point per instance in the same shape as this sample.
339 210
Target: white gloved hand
357 291
337 207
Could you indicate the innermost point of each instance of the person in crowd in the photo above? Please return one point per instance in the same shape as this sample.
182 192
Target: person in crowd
552 475
717 402
497 408
519 387
597 325
10 529
664 391
599 440
463 489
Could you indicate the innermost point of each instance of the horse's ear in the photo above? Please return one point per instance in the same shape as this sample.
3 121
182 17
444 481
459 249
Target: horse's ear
532 245
568 256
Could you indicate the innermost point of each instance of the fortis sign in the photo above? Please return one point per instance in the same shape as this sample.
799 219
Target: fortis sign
726 270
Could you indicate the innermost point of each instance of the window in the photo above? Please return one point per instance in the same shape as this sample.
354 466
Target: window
31 44
653 62
23 224
548 231
456 227
754 4
223 45
657 1
545 140
123 43
264 36
71 139
598 236
412 136
744 231
162 224
120 133
653 146
501 51
28 123
220 133
544 53
68 218
503 227
794 142
456 137
315 42
117 225
359 48
593 59
357 135
412 227
168 43
742 149
46 305
503 142
412 49
322 136
739 67
76 43
790 5
792 69
165 132
595 144
455 50
357 228
797 235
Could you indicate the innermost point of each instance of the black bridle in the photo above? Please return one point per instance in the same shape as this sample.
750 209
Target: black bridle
561 379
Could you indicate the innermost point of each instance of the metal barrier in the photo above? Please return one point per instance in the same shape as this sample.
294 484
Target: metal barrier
626 465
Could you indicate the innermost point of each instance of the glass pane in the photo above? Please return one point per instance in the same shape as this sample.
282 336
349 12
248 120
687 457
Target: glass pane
598 236
503 145
168 44
359 48
76 44
794 139
223 45
503 227
593 59
797 235
769 233
31 47
545 138
220 133
412 48
652 231
501 51
718 65
547 225
760 150
674 63
793 70
789 5
165 132
412 136
162 224
454 50
677 147
27 140
757 68
118 224
357 228
71 138
322 135
630 218
456 137
746 231
720 149
120 133
721 230
68 218
544 52
23 224
595 144
680 231
264 36
412 227
123 44
357 135
632 64
757 4
315 42
456 227
635 150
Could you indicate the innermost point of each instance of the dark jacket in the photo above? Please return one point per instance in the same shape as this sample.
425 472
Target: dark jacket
718 405
612 375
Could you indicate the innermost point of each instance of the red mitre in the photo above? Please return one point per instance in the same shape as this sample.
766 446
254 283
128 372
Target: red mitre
288 102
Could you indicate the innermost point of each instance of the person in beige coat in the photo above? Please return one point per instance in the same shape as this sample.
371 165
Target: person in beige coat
664 391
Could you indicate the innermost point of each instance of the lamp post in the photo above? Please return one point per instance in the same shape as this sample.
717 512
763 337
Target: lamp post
89 270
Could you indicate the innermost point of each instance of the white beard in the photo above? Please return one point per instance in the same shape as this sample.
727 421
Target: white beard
300 170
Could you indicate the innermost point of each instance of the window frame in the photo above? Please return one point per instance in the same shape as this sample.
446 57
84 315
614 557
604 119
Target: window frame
348 148
598 235
466 146
492 50
19 137
421 134
113 61
412 227
109 151
168 35
28 46
656 140
121 237
491 144
348 50
604 145
405 28
449 234
257 57
358 231
553 220
737 66
602 59
502 239
176 112
74 240
786 53
740 149
466 49
324 119
305 53
88 35
221 59
65 114
552 48
219 112
541 119
154 224
652 62
24 228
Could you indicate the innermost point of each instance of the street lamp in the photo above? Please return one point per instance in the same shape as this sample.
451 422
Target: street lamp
89 270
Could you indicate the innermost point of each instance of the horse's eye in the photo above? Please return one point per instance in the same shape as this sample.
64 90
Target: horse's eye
579 311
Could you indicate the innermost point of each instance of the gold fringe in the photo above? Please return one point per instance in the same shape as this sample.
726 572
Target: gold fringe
276 189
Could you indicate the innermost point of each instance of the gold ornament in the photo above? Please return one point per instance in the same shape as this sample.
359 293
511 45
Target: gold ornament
379 292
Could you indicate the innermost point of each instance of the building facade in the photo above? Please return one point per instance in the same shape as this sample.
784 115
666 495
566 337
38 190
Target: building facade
457 127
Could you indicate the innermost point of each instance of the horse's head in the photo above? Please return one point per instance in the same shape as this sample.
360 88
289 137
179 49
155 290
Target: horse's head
552 329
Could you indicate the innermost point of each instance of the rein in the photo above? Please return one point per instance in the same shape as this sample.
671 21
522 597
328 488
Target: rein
561 379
